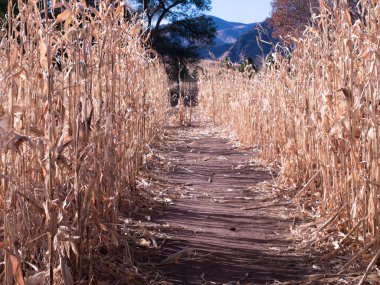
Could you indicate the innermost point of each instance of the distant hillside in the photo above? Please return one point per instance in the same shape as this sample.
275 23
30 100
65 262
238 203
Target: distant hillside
229 32
223 24
247 44
237 40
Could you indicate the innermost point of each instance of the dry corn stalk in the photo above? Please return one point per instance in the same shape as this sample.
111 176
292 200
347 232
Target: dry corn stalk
80 100
316 109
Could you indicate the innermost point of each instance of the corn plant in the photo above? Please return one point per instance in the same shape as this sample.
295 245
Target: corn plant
81 99
315 110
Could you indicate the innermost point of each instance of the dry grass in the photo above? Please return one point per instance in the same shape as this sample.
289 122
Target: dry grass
73 135
316 111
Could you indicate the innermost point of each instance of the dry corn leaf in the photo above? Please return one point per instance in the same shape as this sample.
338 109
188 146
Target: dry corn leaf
143 242
114 239
347 17
119 10
43 55
16 268
37 279
63 16
66 273
175 257
14 57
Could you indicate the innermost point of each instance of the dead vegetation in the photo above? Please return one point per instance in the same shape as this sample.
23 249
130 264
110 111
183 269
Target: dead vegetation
315 111
81 100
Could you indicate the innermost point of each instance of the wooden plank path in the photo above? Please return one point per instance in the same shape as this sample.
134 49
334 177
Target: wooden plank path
225 226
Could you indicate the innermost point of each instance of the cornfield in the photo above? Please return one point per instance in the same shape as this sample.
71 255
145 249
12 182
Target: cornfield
315 111
81 99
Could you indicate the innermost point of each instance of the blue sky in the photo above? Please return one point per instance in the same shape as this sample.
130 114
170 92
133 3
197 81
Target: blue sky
243 11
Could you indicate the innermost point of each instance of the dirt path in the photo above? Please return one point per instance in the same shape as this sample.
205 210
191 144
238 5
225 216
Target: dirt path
224 226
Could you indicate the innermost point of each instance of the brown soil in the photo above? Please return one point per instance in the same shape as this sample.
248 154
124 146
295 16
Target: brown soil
223 221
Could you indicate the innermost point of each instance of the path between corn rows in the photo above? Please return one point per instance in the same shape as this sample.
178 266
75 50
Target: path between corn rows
214 183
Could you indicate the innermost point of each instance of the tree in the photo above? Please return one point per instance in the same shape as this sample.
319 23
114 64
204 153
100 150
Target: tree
291 16
3 7
177 28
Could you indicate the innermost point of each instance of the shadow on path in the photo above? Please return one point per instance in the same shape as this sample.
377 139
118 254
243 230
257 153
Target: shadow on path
223 241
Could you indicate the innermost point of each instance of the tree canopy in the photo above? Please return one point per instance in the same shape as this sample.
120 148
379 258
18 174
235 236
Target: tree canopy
177 28
291 16
3 7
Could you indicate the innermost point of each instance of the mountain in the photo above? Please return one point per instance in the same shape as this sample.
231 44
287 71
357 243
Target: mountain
238 40
249 44
229 32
